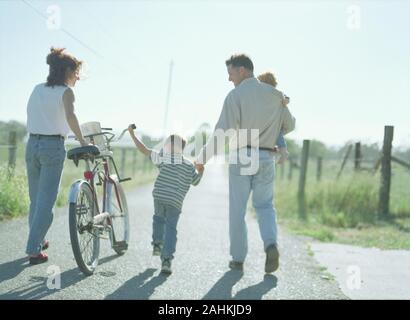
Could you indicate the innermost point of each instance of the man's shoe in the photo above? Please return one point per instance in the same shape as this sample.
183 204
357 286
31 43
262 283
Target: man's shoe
45 245
40 258
272 259
166 266
156 251
236 265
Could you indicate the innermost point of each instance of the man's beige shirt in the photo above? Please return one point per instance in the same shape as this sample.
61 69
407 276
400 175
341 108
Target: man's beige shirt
251 105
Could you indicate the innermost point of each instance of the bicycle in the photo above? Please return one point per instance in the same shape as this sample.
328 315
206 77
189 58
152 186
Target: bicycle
87 223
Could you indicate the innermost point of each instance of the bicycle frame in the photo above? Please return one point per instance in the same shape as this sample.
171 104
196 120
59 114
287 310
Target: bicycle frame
89 176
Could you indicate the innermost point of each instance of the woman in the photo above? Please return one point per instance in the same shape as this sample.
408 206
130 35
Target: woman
50 116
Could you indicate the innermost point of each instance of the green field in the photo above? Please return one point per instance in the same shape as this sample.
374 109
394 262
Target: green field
14 200
345 210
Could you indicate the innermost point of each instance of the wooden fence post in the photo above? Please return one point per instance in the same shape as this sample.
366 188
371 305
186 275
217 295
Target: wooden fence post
302 179
349 149
12 152
357 156
319 169
384 194
377 165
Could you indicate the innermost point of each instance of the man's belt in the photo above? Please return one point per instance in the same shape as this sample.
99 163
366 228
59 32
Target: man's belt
39 136
263 148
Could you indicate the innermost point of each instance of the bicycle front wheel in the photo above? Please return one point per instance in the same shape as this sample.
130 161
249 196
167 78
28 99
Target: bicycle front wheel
118 209
85 241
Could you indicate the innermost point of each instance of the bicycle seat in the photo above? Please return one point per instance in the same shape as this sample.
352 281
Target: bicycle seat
82 152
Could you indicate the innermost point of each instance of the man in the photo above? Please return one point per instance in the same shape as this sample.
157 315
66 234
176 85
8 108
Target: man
251 106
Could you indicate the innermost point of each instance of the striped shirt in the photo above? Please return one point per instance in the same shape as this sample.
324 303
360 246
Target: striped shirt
176 174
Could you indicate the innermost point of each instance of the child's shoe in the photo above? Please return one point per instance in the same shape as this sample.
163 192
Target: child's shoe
157 248
40 258
166 266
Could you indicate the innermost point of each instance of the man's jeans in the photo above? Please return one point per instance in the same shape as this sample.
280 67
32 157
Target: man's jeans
240 186
44 160
164 228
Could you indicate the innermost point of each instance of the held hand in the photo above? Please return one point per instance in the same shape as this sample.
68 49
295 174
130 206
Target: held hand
285 100
199 167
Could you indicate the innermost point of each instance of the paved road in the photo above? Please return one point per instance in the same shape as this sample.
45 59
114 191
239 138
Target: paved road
367 273
200 267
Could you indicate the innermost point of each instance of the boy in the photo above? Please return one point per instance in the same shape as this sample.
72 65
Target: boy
269 78
176 174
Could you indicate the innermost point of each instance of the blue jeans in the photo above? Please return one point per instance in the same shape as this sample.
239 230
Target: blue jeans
44 160
164 228
261 185
281 143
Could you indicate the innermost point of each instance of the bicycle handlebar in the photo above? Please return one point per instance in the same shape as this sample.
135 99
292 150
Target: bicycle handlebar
109 139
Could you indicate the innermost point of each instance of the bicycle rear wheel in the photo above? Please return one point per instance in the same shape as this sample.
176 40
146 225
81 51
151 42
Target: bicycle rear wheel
118 209
85 241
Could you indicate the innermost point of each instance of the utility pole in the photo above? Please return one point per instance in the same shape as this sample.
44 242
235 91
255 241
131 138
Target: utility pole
164 127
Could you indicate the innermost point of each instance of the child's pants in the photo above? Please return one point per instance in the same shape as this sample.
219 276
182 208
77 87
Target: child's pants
164 228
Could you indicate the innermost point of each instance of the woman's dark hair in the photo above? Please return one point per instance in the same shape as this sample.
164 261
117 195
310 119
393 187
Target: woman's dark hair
59 62
240 60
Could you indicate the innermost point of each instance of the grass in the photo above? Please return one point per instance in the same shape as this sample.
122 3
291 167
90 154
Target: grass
345 210
14 199
13 193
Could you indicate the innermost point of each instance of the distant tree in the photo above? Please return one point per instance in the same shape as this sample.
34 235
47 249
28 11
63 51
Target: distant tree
293 148
12 125
317 149
369 151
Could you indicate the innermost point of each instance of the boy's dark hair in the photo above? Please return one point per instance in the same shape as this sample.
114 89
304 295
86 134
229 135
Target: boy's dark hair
240 60
176 139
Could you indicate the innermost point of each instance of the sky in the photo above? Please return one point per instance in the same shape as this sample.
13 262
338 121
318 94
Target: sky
344 64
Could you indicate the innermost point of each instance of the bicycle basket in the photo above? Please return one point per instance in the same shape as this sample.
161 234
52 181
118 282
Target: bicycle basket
94 128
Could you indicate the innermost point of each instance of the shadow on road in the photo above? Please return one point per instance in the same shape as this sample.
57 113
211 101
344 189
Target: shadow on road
257 291
137 288
12 269
36 287
222 289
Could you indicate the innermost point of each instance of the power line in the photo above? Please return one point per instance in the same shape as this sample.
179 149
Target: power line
65 31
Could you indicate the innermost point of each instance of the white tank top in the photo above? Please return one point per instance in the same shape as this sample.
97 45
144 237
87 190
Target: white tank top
45 111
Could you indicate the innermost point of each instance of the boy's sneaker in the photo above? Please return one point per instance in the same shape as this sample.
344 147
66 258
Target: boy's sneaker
156 251
272 259
166 266
40 258
236 265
